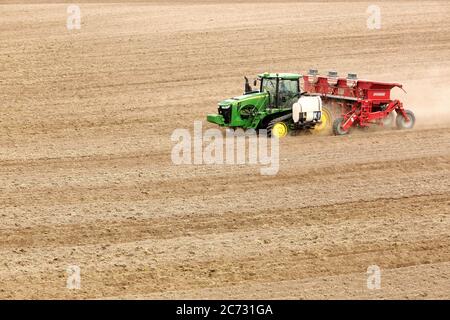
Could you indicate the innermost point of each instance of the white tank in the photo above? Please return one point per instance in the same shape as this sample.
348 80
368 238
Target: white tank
306 108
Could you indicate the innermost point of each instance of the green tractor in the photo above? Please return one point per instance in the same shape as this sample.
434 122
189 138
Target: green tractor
271 106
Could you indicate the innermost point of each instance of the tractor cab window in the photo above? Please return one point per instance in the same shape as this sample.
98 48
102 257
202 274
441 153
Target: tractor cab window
288 93
270 86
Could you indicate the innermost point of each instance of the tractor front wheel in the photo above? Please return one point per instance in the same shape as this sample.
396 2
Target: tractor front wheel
402 123
337 127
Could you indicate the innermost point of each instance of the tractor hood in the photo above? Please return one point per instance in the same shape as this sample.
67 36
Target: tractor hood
242 98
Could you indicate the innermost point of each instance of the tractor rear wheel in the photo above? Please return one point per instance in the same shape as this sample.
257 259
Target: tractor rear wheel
279 127
326 122
402 123
337 127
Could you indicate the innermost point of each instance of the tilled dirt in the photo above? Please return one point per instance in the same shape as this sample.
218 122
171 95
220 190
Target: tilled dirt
87 177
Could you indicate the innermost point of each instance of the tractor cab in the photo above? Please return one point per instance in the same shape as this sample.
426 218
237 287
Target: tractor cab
272 95
283 89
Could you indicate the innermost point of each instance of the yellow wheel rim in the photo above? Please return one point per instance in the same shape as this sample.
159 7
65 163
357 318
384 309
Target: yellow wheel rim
325 122
280 130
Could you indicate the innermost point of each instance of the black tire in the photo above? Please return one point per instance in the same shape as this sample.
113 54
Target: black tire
402 124
337 127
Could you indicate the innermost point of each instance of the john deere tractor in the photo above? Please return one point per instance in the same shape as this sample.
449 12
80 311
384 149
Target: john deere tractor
276 103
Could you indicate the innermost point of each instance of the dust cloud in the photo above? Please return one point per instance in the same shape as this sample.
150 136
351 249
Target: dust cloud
429 102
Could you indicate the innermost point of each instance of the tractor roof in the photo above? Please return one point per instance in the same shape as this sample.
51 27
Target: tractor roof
287 76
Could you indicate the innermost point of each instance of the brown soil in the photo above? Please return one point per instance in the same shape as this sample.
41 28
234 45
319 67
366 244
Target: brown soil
86 176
